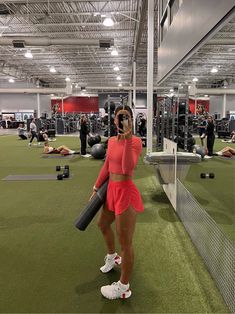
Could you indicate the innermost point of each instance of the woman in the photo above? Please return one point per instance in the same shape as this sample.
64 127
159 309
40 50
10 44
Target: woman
210 136
123 201
83 134
63 150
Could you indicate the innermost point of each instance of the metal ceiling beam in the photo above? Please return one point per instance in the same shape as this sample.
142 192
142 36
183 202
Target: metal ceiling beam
46 1
222 41
140 27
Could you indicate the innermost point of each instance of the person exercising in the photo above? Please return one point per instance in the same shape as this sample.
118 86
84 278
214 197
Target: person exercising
210 136
63 150
123 201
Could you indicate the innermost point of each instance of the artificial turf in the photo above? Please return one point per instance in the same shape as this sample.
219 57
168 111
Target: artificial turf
216 196
48 266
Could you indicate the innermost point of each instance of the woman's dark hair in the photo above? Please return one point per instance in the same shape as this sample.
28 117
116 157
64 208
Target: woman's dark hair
125 107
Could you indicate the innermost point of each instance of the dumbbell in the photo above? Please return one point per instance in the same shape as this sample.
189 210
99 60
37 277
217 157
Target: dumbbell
58 168
207 175
63 175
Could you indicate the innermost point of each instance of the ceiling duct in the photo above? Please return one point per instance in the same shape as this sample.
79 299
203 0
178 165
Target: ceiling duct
46 41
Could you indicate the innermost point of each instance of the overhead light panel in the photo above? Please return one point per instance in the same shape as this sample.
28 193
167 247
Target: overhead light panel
195 79
119 78
28 54
116 68
52 70
11 80
171 90
108 21
214 70
120 84
114 52
67 79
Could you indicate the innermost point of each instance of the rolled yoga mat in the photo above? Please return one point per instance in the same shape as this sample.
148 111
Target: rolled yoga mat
92 208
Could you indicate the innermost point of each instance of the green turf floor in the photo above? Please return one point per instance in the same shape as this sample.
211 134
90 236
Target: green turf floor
217 196
48 266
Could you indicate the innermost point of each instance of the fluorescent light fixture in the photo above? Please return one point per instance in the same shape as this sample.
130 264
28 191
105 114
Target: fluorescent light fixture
52 95
11 80
28 54
120 84
116 68
171 90
76 86
195 79
108 22
214 70
96 13
52 70
119 78
205 95
67 79
4 27
114 52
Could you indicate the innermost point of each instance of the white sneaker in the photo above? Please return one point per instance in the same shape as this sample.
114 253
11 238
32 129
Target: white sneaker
29 144
114 291
110 262
207 157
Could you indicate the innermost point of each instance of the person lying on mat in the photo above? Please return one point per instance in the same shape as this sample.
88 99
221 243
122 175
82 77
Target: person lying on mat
226 152
63 150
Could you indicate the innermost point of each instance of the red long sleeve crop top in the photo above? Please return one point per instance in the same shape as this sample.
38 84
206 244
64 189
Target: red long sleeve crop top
121 158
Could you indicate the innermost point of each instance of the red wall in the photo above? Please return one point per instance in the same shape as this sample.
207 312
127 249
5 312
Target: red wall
202 105
77 104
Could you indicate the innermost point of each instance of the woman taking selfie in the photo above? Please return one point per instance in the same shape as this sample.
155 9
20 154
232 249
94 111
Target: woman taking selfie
123 202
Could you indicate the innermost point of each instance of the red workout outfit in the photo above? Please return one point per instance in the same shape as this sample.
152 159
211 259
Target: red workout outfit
121 158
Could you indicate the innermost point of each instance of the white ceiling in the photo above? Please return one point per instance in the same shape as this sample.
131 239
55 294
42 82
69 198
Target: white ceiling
89 65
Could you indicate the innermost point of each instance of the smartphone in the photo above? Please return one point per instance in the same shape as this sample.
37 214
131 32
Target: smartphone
123 120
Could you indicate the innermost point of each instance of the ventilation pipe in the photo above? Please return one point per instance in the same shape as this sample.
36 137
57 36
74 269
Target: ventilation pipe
222 41
20 42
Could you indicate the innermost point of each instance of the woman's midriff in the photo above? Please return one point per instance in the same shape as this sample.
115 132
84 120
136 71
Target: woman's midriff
119 177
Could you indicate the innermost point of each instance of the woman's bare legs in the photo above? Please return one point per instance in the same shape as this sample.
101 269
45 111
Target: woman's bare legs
125 226
105 220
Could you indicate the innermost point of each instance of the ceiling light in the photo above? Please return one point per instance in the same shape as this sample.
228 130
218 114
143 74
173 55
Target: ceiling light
67 79
96 13
116 68
119 78
52 70
4 27
28 54
214 70
11 80
171 90
120 84
76 86
114 52
103 15
52 95
195 79
108 22
206 96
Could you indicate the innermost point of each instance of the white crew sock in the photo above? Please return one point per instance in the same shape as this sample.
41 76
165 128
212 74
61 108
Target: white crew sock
112 255
123 287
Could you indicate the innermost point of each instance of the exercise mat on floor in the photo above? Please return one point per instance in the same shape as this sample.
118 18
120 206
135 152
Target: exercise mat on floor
58 156
31 177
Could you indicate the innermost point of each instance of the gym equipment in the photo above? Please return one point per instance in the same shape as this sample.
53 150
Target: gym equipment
92 140
98 151
63 175
207 175
196 149
58 168
92 208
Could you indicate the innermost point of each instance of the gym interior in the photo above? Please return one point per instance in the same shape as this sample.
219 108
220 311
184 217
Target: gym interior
173 63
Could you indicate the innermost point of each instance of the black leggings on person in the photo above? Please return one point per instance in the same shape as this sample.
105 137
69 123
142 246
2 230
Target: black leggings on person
210 144
83 144
34 134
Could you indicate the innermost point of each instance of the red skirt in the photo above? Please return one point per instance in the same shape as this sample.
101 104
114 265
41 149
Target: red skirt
123 194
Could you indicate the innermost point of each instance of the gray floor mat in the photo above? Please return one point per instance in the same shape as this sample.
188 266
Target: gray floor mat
31 177
54 156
